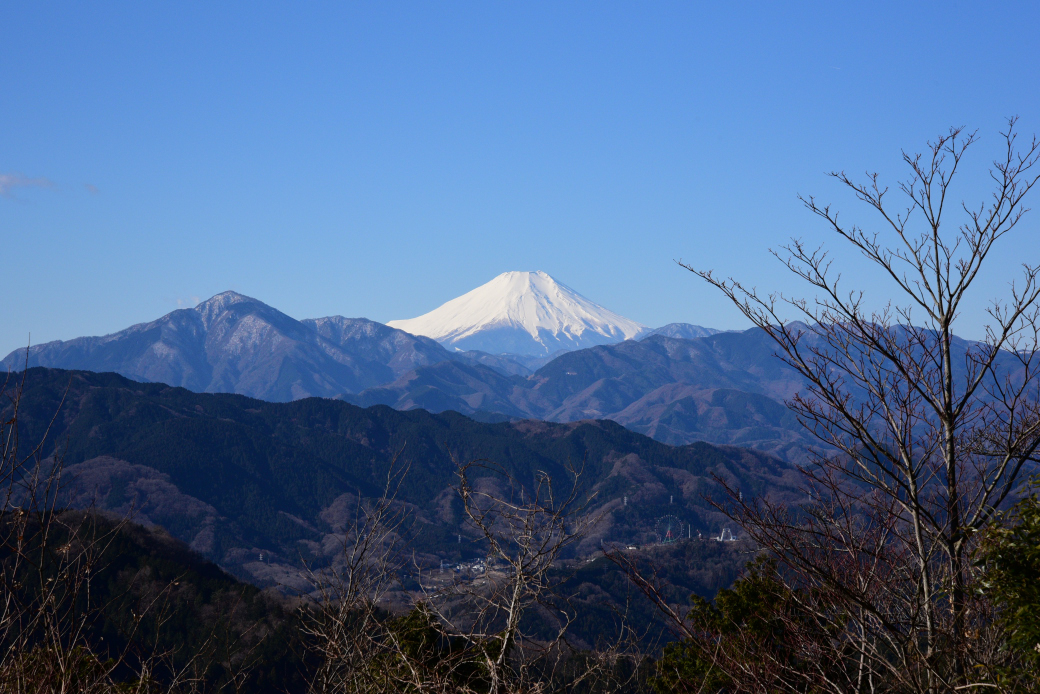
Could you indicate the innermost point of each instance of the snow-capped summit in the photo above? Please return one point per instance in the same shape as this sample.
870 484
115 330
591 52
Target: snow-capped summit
522 313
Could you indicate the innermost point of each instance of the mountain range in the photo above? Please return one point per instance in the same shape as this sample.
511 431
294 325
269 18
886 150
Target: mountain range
256 485
727 388
235 344
679 384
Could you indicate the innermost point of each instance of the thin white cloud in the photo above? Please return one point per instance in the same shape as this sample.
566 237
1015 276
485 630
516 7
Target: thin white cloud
8 182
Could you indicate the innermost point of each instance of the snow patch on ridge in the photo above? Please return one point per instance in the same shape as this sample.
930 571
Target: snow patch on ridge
522 313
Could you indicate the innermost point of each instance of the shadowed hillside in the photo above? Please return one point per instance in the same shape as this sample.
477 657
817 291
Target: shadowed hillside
257 486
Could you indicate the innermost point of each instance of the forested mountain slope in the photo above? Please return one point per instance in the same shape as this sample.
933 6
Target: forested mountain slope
239 478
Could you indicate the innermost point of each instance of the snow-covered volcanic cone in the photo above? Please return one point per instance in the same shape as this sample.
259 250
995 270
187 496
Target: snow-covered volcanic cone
522 313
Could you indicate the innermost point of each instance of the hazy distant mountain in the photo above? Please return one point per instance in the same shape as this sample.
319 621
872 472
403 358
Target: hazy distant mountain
508 364
526 313
235 344
725 388
685 331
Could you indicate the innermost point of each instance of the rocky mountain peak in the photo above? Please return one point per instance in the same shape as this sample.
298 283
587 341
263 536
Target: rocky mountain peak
211 308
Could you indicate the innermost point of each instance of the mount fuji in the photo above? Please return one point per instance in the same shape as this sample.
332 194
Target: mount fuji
524 313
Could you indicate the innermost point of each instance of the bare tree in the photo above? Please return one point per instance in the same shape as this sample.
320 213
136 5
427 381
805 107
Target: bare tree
356 642
466 634
51 560
46 563
525 531
931 432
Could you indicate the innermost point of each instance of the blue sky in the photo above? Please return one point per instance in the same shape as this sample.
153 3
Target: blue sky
376 160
